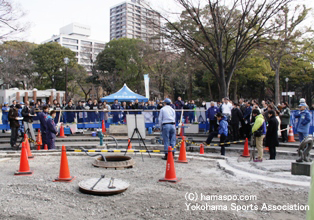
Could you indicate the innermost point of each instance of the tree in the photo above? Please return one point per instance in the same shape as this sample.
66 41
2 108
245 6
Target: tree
10 14
220 36
120 62
82 80
284 40
16 64
48 59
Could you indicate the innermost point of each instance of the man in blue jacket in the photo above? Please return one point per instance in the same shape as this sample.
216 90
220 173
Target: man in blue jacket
222 132
43 124
51 130
304 121
211 115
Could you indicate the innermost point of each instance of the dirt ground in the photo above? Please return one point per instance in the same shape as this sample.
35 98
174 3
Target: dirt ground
37 197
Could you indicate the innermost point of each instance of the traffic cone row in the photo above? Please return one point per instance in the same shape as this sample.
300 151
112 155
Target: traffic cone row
291 135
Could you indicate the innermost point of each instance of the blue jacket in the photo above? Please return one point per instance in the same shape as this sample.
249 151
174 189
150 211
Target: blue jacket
43 121
51 128
5 113
304 121
223 126
211 112
247 114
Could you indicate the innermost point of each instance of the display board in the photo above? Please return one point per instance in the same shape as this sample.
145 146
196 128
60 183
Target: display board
131 123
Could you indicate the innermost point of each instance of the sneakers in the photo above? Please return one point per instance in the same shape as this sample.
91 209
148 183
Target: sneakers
258 160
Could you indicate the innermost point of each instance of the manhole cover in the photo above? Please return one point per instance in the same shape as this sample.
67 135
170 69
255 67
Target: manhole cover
103 187
116 161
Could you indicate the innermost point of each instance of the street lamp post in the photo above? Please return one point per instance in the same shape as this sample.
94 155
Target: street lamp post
287 80
66 61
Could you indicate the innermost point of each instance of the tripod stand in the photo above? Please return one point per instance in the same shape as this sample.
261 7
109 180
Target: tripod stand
140 139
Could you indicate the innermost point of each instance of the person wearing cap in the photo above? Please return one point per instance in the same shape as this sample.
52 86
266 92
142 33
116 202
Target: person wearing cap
222 132
5 114
14 125
167 124
304 121
27 114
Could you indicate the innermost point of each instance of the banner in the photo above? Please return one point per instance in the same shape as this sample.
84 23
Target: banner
146 82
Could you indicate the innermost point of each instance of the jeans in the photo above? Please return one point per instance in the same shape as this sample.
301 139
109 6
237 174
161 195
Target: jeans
223 138
169 136
14 135
29 126
302 136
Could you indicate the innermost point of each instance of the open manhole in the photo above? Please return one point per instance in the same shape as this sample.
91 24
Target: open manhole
115 161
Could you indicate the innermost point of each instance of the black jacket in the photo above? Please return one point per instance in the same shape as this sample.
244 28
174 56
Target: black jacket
272 133
25 113
13 113
236 116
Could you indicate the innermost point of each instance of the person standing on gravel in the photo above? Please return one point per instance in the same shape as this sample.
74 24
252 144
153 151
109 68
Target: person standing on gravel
14 125
272 134
259 131
167 124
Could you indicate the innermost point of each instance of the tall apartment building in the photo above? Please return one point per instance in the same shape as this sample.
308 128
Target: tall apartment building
76 37
132 19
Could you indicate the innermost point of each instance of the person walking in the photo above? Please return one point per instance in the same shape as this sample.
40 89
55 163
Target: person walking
222 132
167 122
28 114
211 115
236 117
51 131
285 121
272 134
259 131
14 125
304 121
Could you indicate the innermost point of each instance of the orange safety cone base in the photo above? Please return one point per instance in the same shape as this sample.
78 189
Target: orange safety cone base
29 173
65 180
201 149
176 180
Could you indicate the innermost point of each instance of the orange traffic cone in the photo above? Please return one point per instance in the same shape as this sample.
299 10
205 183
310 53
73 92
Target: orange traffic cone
46 147
24 166
246 152
182 155
170 175
28 148
64 175
129 145
201 148
291 135
103 126
181 131
62 132
38 146
266 149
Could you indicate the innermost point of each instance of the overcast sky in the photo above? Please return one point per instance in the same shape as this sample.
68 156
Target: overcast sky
46 16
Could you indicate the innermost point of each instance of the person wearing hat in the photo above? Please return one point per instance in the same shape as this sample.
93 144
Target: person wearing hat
222 132
5 114
14 125
304 121
167 124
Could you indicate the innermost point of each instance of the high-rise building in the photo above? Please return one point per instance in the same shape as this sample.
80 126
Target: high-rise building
132 19
76 37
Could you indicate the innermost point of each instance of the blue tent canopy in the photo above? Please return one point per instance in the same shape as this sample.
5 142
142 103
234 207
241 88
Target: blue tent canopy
124 94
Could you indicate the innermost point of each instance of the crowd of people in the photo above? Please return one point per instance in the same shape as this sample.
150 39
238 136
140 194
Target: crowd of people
232 121
229 121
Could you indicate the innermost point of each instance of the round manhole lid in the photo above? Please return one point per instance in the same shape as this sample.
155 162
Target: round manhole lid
115 161
102 187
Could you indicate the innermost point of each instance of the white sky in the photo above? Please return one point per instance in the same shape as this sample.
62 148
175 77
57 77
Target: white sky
46 17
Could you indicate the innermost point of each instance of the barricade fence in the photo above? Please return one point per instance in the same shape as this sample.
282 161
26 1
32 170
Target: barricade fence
86 119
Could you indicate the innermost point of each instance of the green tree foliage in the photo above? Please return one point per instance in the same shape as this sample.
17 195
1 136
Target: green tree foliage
48 59
16 64
121 62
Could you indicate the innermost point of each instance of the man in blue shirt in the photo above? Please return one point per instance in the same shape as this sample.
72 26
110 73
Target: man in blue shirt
167 118
211 115
304 121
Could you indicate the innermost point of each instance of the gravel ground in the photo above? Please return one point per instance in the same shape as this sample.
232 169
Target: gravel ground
37 197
